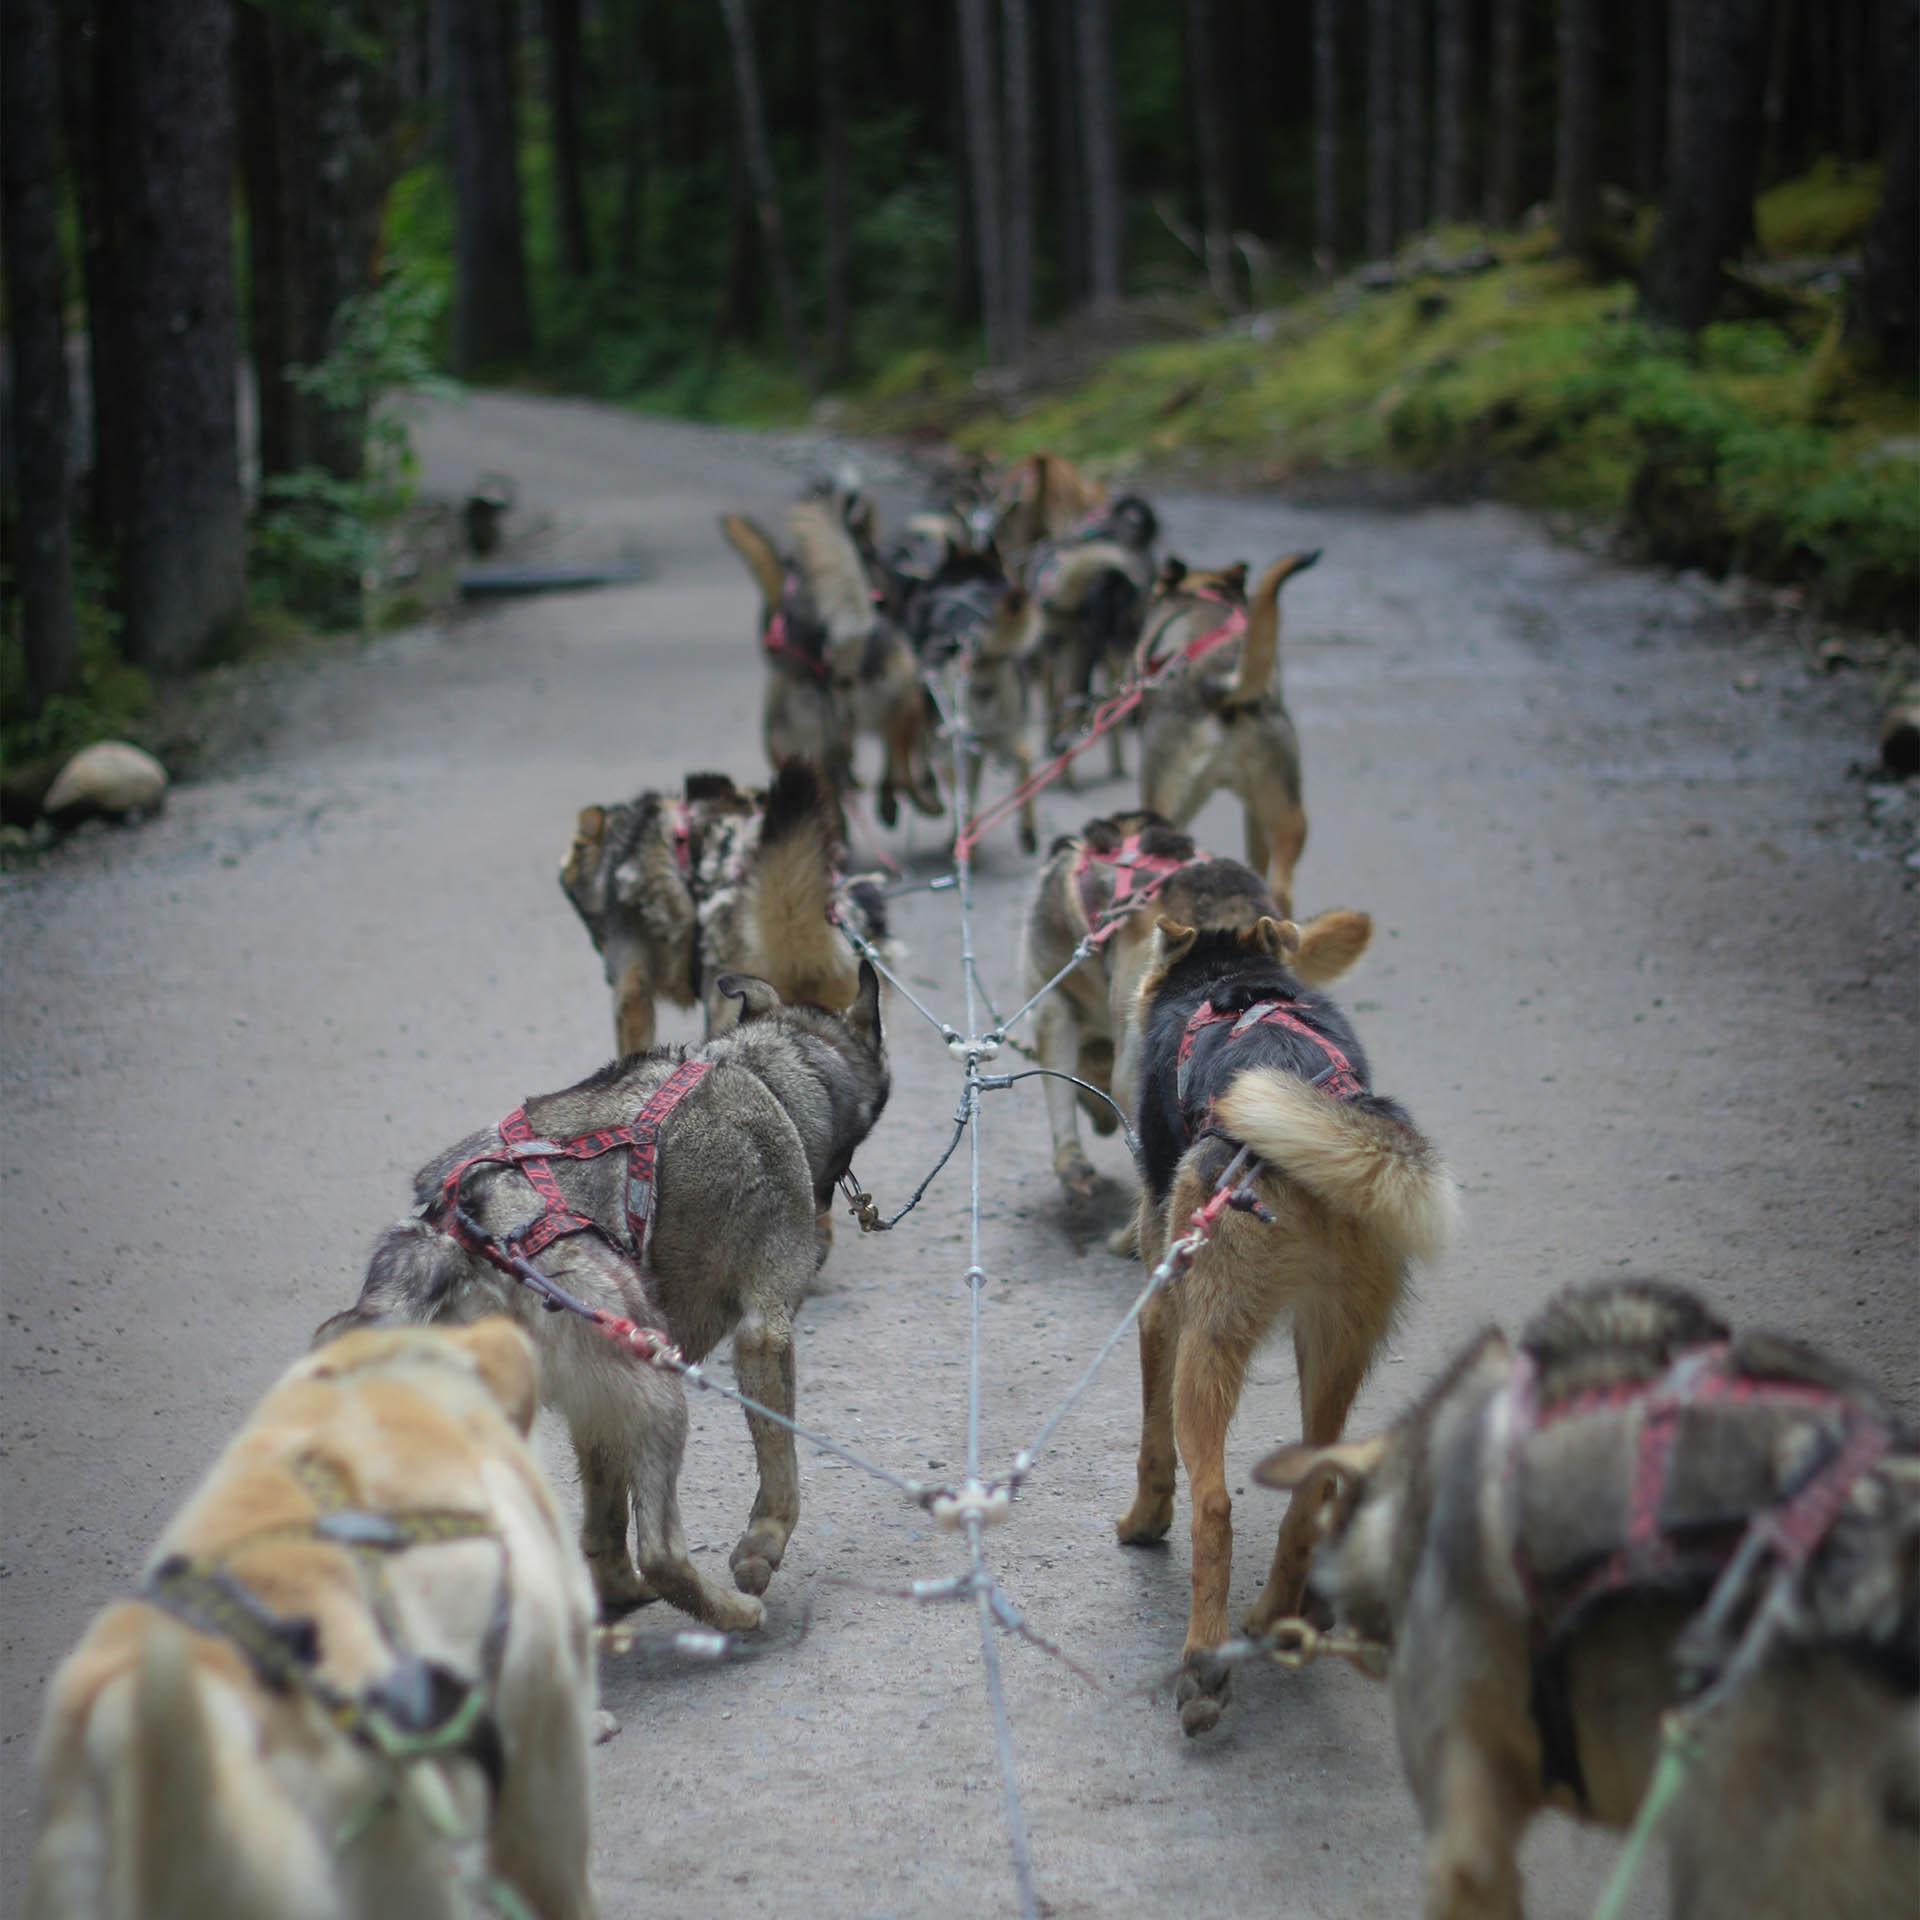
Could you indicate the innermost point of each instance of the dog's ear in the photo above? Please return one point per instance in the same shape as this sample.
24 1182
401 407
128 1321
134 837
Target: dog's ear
1234 579
761 558
1290 1467
1175 942
864 1015
1172 571
1278 939
591 827
504 1357
1330 943
755 996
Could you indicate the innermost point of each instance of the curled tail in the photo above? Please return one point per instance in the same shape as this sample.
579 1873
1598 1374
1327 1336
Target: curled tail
789 890
1260 652
763 562
1357 1156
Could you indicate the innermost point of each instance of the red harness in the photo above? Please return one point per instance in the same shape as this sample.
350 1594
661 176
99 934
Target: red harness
680 831
1151 872
1336 1079
640 1139
779 644
1202 644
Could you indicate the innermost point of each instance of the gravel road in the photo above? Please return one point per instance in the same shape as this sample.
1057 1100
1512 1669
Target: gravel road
1644 968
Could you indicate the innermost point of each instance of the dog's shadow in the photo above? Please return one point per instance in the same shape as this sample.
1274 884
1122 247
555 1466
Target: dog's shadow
1088 1221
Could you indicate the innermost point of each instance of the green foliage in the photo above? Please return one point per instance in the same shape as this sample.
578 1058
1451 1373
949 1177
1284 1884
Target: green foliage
1826 210
112 699
319 539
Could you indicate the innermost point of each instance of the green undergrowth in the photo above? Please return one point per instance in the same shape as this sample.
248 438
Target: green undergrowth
1760 445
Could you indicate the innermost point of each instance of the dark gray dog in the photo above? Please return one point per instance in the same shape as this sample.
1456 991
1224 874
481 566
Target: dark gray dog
720 1240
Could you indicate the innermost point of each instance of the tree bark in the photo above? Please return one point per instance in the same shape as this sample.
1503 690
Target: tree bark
983 169
168 169
1326 135
1100 126
1383 222
1576 160
1412 76
759 158
1211 117
1649 97
637 142
1503 113
836 206
1452 80
492 324
1069 193
259 92
1719 70
36 334
1016 35
562 23
1884 315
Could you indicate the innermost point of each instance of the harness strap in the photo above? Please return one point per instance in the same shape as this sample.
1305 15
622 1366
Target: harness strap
1231 627
1129 863
680 830
1336 1079
776 637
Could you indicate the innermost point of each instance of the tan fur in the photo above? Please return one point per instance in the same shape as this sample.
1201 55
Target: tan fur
834 572
762 561
1260 652
792 942
1045 496
174 1782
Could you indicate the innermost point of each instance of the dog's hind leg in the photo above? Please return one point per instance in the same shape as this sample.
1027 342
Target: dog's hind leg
1029 819
1146 1522
1475 1813
763 1365
603 1525
1276 836
633 1010
1057 1032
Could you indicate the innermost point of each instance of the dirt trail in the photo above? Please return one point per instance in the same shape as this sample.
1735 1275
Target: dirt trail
1644 969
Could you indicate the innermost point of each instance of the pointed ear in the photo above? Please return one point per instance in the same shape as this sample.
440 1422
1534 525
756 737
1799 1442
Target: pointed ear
504 1357
1277 938
1291 1467
1234 579
762 561
1176 941
864 1015
1330 943
1172 571
591 827
755 996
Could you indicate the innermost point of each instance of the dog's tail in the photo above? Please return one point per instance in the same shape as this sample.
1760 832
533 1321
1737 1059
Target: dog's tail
835 574
789 889
763 562
1261 652
1358 1156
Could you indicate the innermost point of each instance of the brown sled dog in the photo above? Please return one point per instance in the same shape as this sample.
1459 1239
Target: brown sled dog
1044 497
1534 1546
709 1232
1218 720
1236 1051
376 1552
674 891
1110 881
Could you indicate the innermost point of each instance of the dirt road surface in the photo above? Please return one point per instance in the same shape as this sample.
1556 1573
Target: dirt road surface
1644 968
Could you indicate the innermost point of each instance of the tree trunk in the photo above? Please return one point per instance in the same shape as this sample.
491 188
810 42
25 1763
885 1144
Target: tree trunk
167 99
1326 135
1016 34
836 209
1069 192
1649 97
1719 70
1576 159
1452 80
259 93
1383 224
1412 76
983 169
335 112
85 56
1211 116
36 333
637 143
1503 113
562 22
1884 315
492 325
759 157
740 283
1100 126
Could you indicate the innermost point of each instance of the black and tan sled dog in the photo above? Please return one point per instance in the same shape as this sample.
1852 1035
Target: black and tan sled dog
1235 1052
676 1191
1628 1510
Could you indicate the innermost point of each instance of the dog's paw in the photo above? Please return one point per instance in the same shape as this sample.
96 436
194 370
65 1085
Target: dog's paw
1201 1694
1029 840
735 1612
1145 1523
886 804
605 1726
617 1583
755 1558
1124 1240
1076 1172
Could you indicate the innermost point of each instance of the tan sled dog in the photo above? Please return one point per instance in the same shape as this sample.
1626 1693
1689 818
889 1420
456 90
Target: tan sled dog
1217 719
357 1678
1557 1544
1044 497
1237 1052
1108 882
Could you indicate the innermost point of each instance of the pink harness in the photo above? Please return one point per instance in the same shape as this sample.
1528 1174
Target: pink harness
1137 878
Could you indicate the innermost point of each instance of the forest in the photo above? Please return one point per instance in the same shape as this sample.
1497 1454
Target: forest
1655 260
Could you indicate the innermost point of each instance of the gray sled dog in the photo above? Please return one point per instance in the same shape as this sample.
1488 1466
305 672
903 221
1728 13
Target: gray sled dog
751 1131
1569 1535
676 890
